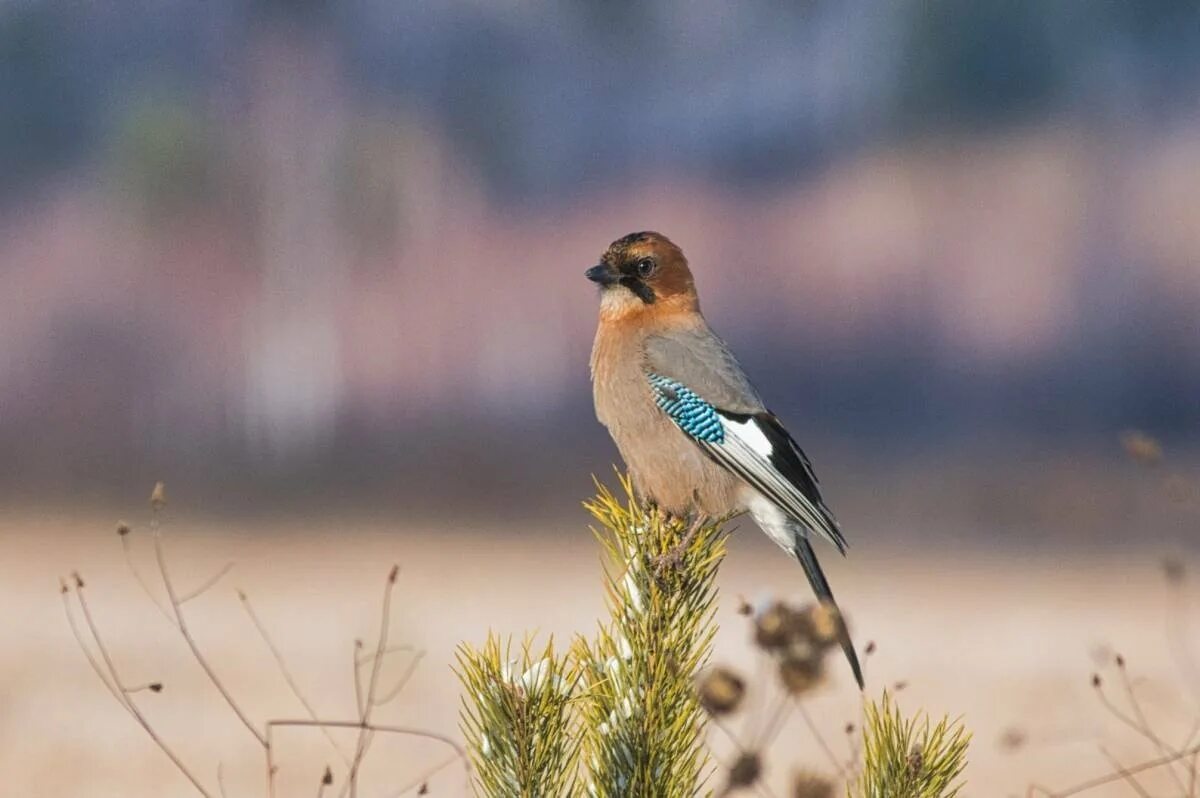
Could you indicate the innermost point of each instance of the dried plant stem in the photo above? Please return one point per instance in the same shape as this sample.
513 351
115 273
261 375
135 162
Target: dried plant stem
402 681
181 622
772 724
1162 747
286 672
459 753
127 549
425 776
358 693
368 702
1100 781
1126 775
207 583
364 659
821 741
1139 724
116 686
854 763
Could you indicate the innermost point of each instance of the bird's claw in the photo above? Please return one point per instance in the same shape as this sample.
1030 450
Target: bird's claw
668 561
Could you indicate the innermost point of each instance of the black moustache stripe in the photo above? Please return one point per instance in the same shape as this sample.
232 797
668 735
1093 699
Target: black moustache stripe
643 291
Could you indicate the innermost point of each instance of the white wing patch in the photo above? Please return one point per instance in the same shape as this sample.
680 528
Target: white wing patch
748 433
747 452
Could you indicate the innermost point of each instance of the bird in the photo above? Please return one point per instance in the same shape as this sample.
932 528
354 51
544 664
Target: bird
696 438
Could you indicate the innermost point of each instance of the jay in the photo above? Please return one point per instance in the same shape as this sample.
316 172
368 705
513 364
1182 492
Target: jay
698 441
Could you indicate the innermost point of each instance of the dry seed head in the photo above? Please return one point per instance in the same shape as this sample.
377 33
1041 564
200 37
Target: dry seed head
825 621
802 648
158 496
155 687
746 771
328 777
870 649
423 789
811 785
801 674
1095 680
720 690
772 626
122 528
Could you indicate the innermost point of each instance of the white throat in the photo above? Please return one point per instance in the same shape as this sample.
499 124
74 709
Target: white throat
618 301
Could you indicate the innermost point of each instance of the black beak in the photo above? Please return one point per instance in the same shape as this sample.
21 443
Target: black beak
600 273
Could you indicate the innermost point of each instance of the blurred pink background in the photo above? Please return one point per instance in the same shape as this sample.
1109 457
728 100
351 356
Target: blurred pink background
319 267
258 248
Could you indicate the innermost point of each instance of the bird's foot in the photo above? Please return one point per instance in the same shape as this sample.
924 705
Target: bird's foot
672 560
668 561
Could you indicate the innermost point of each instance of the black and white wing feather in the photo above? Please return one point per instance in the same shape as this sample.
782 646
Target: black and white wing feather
759 450
700 385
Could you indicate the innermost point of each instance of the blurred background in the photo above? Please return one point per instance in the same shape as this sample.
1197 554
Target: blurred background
319 267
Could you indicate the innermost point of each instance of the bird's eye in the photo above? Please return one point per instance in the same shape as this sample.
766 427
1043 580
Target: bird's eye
645 267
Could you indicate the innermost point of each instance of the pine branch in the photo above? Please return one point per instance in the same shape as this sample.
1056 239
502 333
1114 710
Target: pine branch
643 726
907 758
515 716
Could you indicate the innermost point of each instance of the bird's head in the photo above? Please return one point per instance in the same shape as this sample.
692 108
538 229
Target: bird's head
641 272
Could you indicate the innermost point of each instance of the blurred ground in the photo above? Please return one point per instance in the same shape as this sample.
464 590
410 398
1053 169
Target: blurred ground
1007 639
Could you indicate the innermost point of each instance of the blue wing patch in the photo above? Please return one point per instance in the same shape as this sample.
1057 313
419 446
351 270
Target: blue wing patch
692 414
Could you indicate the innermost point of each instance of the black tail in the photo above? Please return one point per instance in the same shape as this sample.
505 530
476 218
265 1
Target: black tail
816 577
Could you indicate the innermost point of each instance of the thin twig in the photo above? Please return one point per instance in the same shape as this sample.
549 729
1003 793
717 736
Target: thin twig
1163 748
358 692
117 687
181 622
1120 769
1100 781
399 649
364 737
87 652
207 583
383 729
408 673
153 687
716 721
1139 724
221 779
812 727
127 549
852 764
425 777
287 674
759 701
773 724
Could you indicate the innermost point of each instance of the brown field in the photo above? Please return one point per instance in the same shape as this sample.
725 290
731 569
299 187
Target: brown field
1006 640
